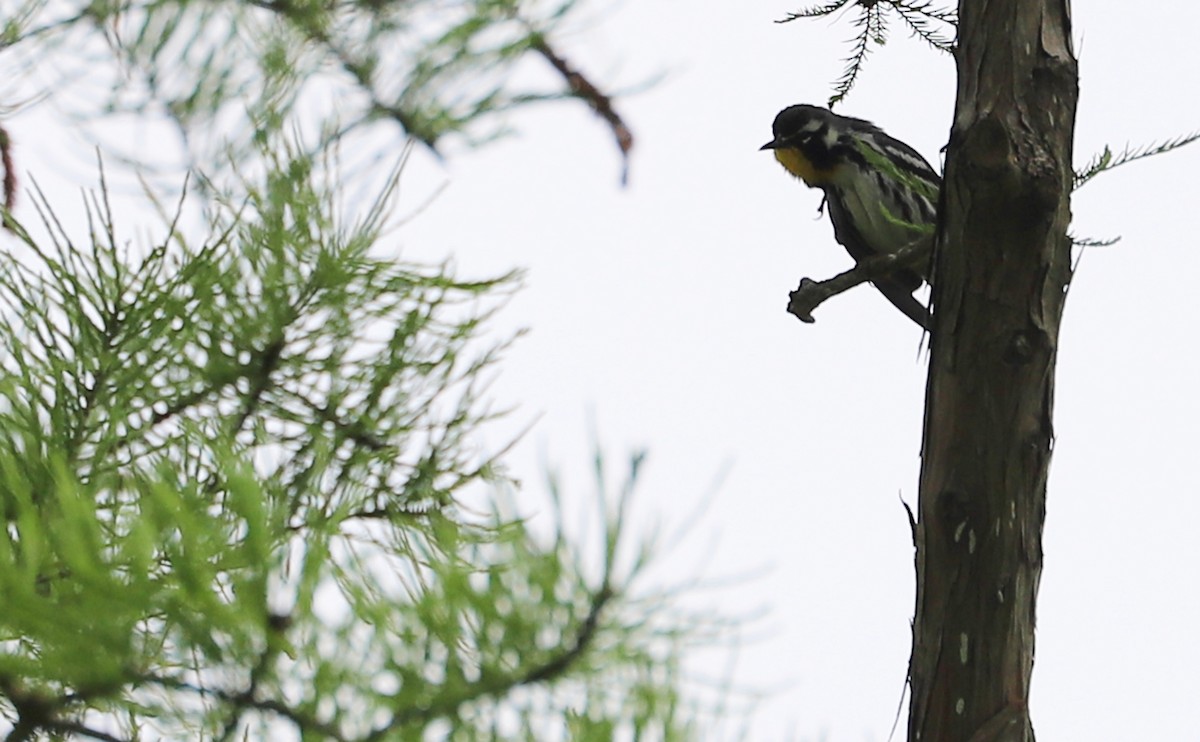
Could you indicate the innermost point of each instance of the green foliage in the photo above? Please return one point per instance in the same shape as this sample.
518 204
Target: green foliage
233 461
924 19
230 473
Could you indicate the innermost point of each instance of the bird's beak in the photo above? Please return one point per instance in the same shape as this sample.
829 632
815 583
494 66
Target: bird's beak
773 144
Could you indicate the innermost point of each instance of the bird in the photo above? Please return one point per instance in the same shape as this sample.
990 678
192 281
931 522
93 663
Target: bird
881 194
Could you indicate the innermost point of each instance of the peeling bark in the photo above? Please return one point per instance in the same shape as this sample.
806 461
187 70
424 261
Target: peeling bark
1001 267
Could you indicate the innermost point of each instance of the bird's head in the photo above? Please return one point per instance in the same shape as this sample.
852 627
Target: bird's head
804 143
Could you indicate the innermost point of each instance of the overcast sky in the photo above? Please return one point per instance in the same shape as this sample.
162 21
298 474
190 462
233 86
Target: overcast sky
657 318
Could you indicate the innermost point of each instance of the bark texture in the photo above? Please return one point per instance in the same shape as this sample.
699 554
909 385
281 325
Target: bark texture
1002 263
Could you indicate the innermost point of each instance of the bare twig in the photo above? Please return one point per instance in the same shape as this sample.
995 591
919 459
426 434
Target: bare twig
810 294
10 176
582 88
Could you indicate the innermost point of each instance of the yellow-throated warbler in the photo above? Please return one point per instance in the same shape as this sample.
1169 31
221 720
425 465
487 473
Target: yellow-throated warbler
881 193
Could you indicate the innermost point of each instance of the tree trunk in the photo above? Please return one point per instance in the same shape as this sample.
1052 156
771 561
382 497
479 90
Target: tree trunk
1001 268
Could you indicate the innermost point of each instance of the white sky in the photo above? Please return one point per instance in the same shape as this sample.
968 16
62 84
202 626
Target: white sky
657 319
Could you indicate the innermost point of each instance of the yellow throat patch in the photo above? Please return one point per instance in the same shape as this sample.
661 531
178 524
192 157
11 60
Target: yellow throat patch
794 161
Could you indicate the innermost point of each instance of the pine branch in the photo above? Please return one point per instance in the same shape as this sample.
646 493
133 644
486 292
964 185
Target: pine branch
816 11
922 17
871 28
1092 241
1106 160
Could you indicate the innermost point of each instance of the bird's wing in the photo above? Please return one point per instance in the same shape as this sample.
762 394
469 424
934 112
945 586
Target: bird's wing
897 287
